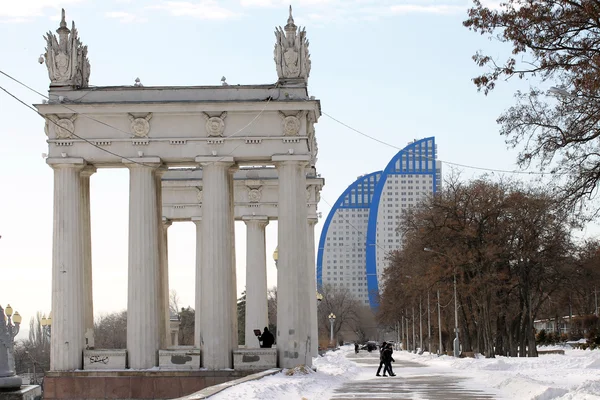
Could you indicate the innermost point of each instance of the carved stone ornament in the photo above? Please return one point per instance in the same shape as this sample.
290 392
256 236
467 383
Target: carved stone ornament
292 58
63 127
140 127
254 195
308 194
199 194
66 57
312 138
291 123
215 126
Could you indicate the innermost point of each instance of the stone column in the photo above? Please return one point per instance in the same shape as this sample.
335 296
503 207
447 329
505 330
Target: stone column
218 312
88 309
293 315
312 276
198 299
144 291
165 313
256 278
68 302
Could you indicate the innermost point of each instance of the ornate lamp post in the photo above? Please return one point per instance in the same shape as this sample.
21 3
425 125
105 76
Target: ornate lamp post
456 341
331 322
8 330
47 326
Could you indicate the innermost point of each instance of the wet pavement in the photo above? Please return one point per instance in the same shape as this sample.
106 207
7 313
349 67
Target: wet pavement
412 381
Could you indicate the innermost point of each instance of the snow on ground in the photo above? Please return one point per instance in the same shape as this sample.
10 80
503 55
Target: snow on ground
574 375
333 370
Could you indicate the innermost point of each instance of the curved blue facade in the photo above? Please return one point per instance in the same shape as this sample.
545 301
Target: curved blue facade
418 158
349 255
358 195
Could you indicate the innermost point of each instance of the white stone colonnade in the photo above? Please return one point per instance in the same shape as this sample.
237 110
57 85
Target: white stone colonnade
256 194
150 130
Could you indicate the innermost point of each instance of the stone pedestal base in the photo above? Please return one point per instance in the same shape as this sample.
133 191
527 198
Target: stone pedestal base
26 392
179 359
254 359
104 359
10 382
156 385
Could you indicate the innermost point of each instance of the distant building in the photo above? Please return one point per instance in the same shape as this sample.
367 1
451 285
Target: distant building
361 227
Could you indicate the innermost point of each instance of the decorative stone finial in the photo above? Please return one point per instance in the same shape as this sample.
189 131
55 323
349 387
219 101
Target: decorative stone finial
66 57
290 22
63 22
292 58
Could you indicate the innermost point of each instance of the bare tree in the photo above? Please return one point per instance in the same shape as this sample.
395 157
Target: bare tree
187 316
174 302
505 246
341 302
33 354
553 42
110 331
272 309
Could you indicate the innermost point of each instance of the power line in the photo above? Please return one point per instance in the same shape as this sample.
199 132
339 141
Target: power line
71 132
322 112
120 130
113 127
437 159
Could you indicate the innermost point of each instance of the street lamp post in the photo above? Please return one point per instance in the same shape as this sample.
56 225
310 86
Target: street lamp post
439 324
596 299
47 326
331 322
33 362
9 328
456 343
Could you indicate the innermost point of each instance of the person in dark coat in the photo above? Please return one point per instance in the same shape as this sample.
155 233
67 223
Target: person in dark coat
356 347
381 362
387 359
267 339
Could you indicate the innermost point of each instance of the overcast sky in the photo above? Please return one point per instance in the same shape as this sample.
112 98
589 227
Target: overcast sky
396 70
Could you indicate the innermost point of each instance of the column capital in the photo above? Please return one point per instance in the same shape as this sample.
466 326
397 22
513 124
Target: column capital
66 162
149 162
294 158
88 171
259 219
313 221
166 222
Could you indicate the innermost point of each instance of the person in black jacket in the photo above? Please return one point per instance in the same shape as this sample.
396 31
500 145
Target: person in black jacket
267 339
387 359
381 360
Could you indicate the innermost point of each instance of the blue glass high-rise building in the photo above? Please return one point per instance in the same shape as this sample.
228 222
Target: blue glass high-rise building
361 227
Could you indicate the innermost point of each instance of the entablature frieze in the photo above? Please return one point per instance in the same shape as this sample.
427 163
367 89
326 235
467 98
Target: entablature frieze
255 192
250 123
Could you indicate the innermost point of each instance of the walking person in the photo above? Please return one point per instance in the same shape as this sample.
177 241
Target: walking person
388 359
356 347
381 360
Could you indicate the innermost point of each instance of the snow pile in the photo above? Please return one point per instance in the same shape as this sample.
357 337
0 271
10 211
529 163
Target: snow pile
333 370
572 376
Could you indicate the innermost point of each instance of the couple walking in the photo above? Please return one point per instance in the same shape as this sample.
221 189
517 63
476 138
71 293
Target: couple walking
385 359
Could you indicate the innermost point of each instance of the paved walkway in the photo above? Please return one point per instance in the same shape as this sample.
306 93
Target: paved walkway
412 381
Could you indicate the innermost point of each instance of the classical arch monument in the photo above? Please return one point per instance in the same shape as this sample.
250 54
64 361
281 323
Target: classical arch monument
209 154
